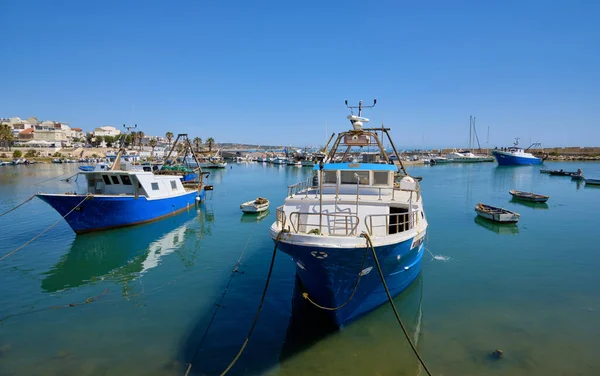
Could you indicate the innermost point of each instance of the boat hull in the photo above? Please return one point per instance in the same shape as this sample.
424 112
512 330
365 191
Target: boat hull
529 197
329 275
592 181
106 212
497 217
507 159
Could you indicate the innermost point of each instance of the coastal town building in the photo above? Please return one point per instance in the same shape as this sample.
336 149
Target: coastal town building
106 130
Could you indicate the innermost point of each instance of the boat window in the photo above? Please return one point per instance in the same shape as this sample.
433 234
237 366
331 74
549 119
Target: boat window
115 179
155 186
380 178
126 179
106 180
173 185
350 177
329 177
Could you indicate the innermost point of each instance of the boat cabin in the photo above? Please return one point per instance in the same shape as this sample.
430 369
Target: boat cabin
133 183
354 198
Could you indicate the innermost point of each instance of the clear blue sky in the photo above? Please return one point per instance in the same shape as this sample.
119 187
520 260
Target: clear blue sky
275 72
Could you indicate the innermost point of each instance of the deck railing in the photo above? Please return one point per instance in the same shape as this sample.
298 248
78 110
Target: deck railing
306 189
280 217
333 224
394 222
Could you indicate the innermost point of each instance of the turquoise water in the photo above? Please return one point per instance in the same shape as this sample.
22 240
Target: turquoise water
530 289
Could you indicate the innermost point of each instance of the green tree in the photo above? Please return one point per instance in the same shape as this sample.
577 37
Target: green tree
99 140
140 136
109 141
31 153
169 136
210 141
128 140
17 154
197 142
152 145
134 138
6 136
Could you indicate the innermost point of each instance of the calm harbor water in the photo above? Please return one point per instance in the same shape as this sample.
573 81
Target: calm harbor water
151 290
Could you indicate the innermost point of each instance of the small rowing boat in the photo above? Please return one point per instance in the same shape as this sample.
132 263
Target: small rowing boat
561 172
255 206
577 175
496 214
592 181
526 196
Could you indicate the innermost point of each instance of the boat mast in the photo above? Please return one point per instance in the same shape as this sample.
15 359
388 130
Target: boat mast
470 127
117 164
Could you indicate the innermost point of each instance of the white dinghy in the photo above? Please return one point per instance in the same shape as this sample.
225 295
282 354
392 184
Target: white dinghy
255 206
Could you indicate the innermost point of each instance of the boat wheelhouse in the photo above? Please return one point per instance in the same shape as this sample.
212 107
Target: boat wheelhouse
324 224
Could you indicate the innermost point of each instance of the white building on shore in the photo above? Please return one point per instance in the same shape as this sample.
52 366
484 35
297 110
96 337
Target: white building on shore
106 130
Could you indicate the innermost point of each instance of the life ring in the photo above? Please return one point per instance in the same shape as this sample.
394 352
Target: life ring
319 254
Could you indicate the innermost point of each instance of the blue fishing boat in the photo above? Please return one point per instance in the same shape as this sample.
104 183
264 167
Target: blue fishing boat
122 197
515 156
334 224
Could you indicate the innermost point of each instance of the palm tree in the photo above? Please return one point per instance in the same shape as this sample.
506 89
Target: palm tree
152 145
140 137
134 138
197 142
210 141
169 136
6 135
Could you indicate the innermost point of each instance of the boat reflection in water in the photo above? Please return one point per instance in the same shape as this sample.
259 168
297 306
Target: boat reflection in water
124 254
254 218
310 345
533 205
498 228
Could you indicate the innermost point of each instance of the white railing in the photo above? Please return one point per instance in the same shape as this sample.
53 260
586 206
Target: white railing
280 217
333 224
396 222
306 188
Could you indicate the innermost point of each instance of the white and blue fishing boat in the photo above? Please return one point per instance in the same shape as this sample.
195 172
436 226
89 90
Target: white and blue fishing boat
324 224
515 156
123 196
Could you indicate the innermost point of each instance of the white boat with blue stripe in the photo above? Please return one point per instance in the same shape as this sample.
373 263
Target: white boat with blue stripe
515 156
326 223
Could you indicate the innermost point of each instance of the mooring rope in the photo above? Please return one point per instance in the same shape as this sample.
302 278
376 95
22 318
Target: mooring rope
46 230
70 305
360 274
218 304
52 178
257 315
387 291
18 206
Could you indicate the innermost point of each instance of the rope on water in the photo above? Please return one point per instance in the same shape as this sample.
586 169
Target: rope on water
70 305
52 178
91 299
18 206
46 230
256 316
360 274
218 304
387 291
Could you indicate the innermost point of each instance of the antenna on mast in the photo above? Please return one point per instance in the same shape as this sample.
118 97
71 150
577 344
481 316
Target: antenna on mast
360 106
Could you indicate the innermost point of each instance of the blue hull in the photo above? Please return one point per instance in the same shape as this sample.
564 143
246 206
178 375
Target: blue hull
511 160
105 212
330 281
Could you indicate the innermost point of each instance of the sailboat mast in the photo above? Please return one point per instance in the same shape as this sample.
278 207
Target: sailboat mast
470 127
